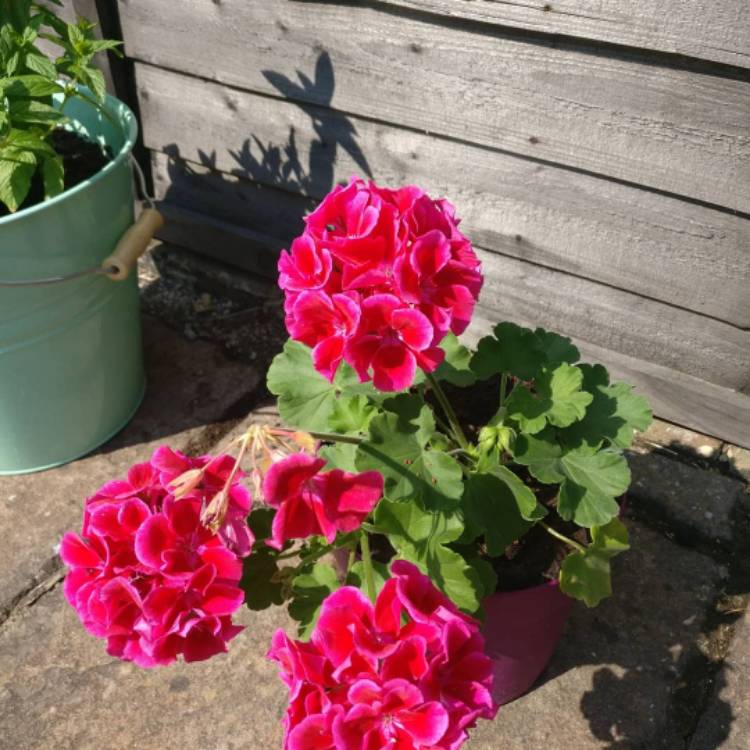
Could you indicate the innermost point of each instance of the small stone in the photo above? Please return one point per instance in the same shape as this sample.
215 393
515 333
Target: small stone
706 450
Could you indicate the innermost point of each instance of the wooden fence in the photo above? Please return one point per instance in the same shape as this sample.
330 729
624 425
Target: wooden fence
598 150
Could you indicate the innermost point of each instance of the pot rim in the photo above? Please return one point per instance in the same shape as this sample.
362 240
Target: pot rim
123 115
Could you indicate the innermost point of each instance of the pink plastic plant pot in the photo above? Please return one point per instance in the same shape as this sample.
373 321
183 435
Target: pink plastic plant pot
521 631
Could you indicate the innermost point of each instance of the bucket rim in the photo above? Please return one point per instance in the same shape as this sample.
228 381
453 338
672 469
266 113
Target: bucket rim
125 118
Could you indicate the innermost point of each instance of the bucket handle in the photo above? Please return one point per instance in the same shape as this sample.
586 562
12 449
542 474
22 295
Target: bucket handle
120 263
130 247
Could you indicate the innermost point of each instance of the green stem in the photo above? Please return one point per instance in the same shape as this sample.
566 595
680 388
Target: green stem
350 561
458 432
563 538
304 561
367 565
332 437
503 387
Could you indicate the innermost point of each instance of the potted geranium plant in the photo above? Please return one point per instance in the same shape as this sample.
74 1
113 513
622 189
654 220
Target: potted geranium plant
386 516
70 357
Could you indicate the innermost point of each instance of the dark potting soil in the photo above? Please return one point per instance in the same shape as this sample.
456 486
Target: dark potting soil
81 159
536 557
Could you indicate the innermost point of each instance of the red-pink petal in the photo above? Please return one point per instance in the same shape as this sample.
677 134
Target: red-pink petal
393 368
413 327
426 724
152 539
285 478
76 553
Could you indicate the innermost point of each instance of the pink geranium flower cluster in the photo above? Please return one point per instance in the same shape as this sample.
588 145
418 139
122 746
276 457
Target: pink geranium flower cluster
311 502
409 673
377 279
145 572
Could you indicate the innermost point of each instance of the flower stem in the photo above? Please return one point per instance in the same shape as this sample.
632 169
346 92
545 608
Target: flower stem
367 565
575 545
503 387
458 432
332 437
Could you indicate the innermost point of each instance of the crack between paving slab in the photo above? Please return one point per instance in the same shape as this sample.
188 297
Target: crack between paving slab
53 572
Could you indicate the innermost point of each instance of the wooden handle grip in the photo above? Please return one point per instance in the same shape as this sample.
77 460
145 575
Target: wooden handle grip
132 245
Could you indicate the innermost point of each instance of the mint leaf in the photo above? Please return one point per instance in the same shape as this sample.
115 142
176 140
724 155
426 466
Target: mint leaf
16 171
587 575
455 368
52 174
558 400
412 471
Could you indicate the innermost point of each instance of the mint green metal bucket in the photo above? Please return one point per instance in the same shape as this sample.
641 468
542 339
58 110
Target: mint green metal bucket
71 370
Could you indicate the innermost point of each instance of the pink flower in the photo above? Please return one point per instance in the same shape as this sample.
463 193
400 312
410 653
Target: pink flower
306 267
325 323
359 229
391 341
146 575
363 243
409 672
310 502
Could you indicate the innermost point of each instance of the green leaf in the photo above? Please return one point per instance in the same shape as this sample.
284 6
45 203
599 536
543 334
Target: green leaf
260 578
53 175
558 400
556 348
309 589
521 352
260 522
16 172
407 523
411 470
94 79
356 576
31 86
340 456
528 505
351 415
455 368
590 481
306 398
32 112
490 510
587 575
41 64
614 414
420 536
512 349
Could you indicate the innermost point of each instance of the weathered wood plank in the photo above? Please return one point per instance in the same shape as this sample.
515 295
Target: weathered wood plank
653 245
674 396
678 131
717 31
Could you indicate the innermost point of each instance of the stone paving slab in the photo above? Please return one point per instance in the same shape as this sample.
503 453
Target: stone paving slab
609 685
192 388
700 500
726 723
